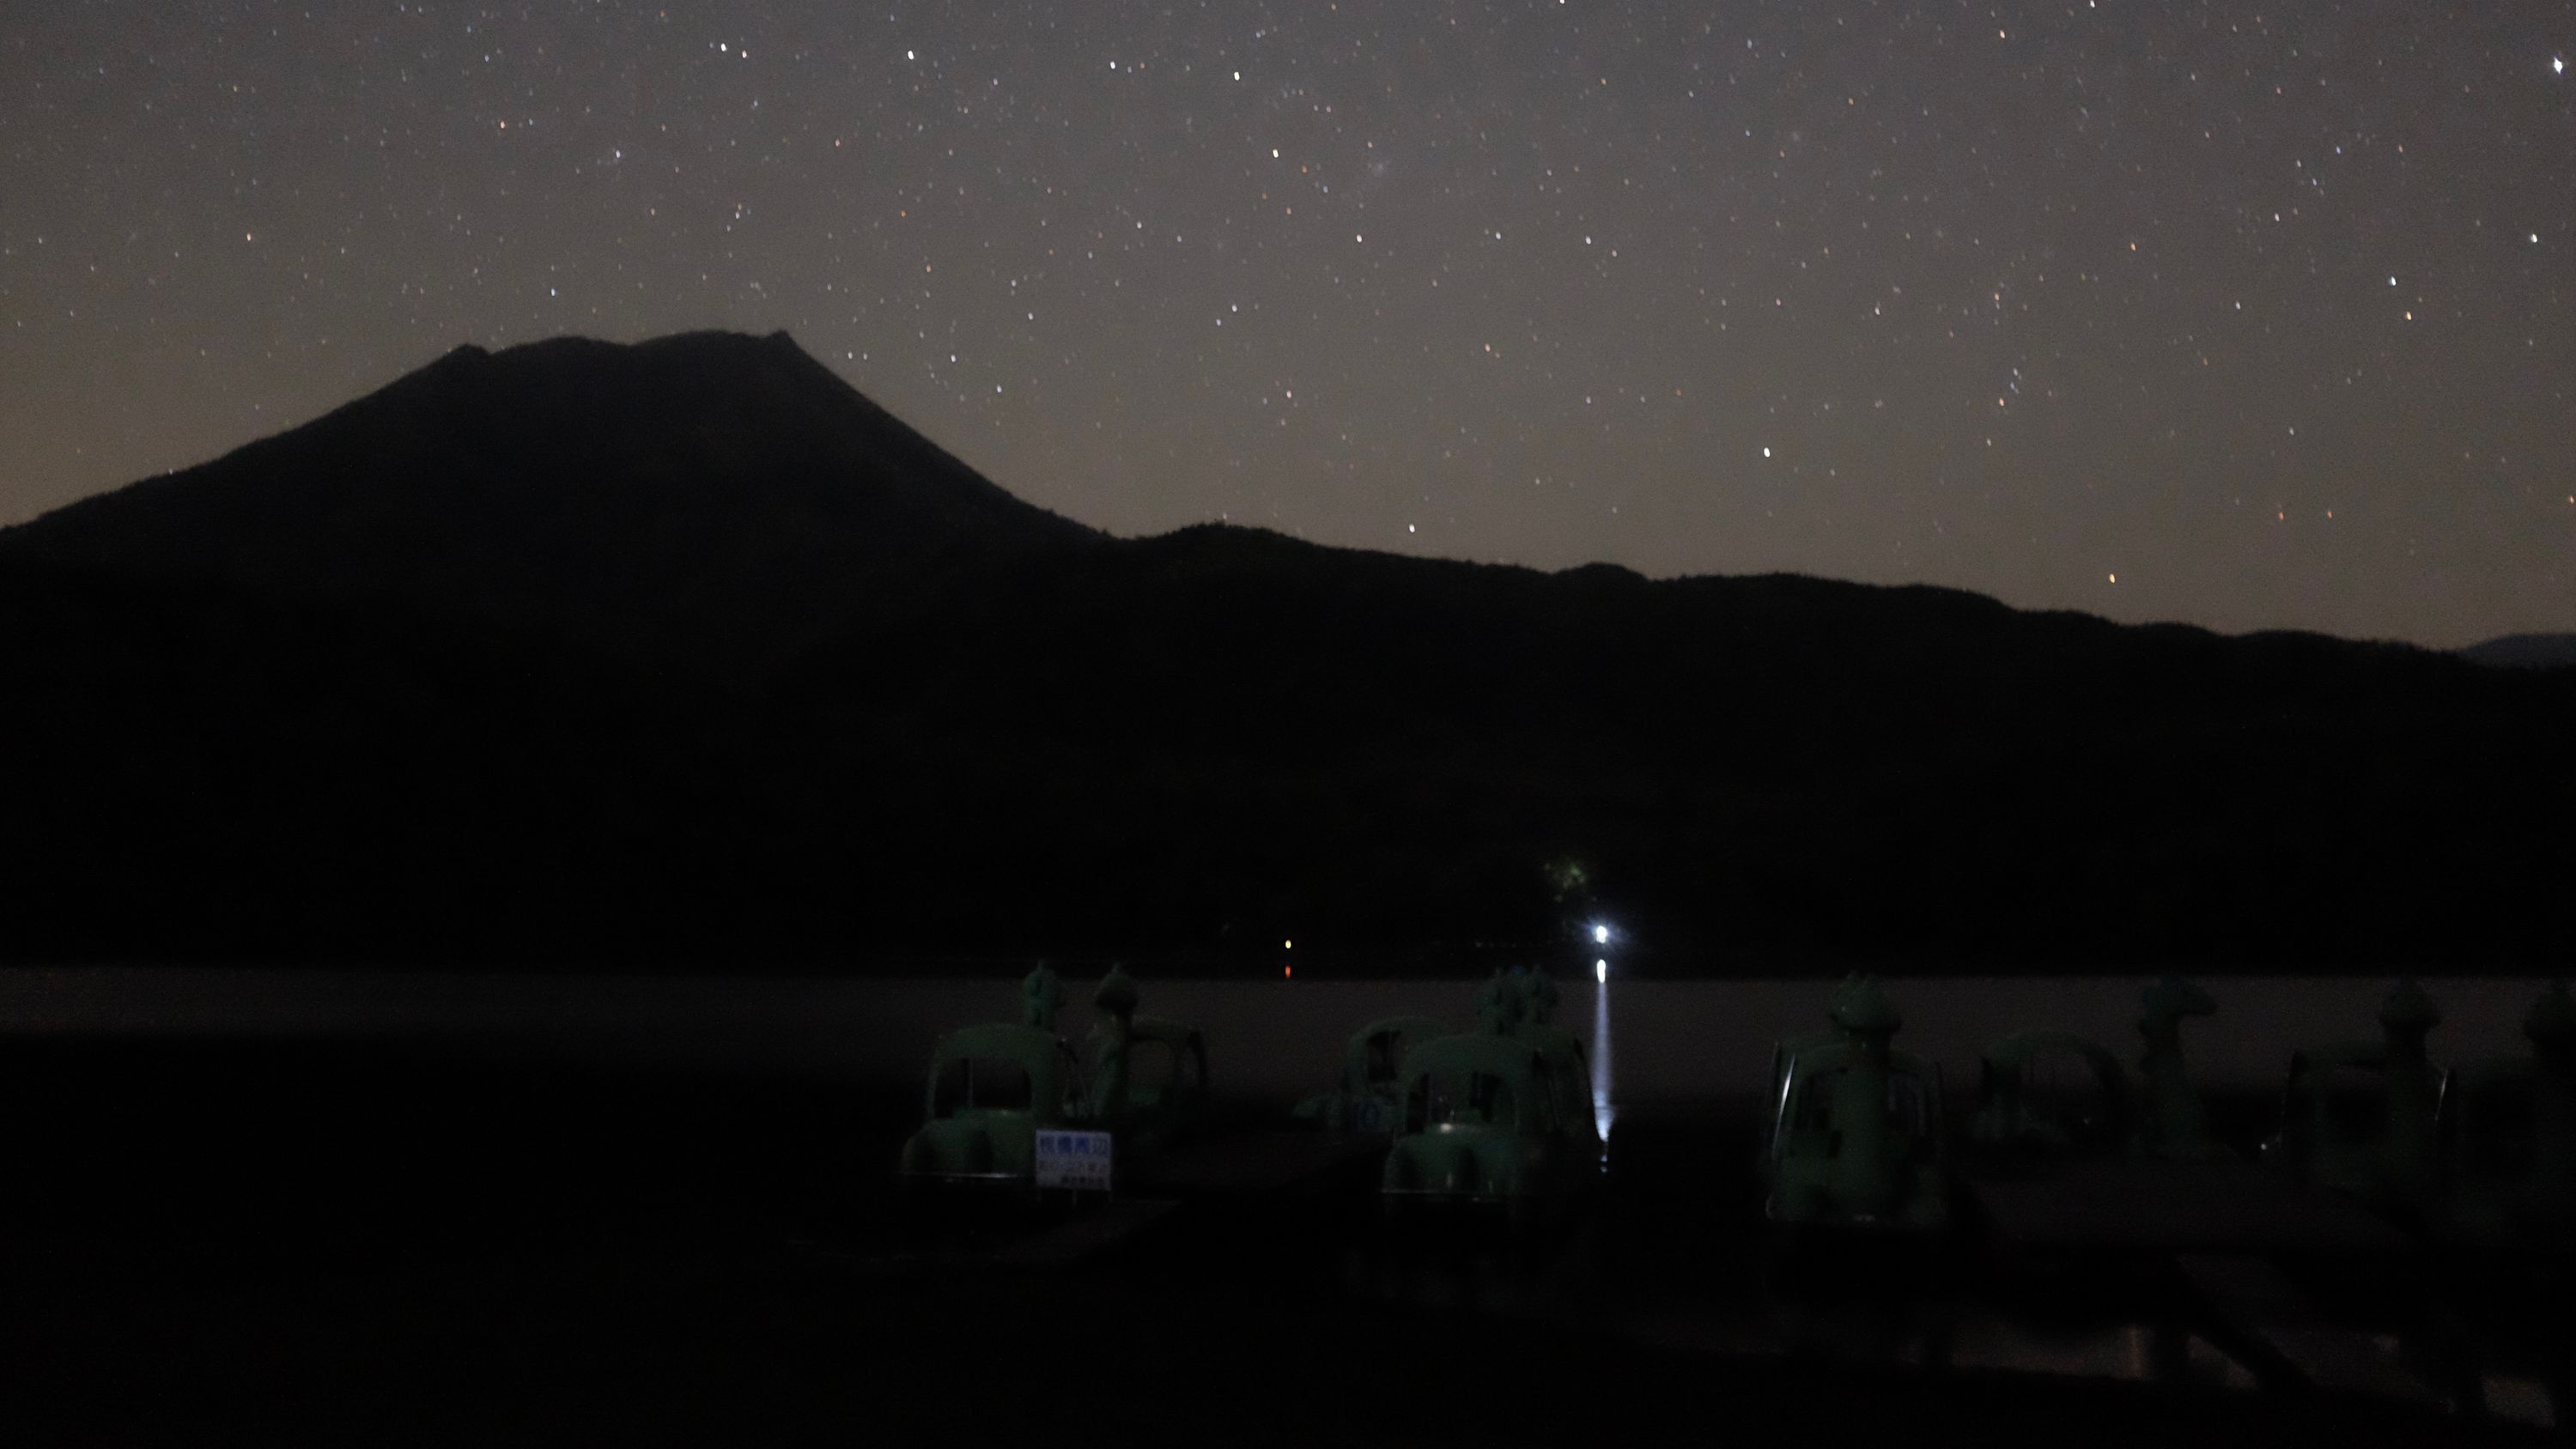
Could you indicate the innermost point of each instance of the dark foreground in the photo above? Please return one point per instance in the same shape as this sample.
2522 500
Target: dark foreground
374 1243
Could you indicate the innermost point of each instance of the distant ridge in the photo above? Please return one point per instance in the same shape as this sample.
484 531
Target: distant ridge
710 500
686 653
2525 651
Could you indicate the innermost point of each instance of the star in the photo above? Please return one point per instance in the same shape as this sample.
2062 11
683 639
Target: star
660 192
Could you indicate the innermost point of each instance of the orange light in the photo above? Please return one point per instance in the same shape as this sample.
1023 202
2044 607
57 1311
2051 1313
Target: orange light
1287 971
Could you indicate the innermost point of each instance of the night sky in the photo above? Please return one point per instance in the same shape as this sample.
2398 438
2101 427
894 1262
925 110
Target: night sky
2244 315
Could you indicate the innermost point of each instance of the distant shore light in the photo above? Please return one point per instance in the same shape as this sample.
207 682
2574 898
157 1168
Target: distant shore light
1601 934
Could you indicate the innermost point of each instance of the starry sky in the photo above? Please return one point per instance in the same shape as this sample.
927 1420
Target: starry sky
2249 316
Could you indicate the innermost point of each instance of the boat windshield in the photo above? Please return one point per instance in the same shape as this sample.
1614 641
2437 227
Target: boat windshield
991 1084
2057 1085
1385 1052
1573 1087
1809 1129
2497 1133
2356 1105
1442 1100
1152 1066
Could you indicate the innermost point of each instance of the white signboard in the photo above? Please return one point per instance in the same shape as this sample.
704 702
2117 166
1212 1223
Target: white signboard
1078 1160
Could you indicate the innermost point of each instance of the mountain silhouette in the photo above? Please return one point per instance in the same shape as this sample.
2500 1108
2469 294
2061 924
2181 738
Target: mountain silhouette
1235 726
685 654
2525 651
706 501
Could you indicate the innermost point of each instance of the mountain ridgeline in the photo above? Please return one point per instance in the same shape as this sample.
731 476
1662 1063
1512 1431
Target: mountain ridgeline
685 655
708 503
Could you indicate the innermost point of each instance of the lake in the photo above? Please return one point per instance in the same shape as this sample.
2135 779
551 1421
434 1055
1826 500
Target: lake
1667 1041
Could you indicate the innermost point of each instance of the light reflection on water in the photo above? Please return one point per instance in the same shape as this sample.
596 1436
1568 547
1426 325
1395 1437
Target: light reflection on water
1602 1111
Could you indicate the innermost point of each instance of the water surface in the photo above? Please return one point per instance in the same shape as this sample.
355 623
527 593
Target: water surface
1654 1042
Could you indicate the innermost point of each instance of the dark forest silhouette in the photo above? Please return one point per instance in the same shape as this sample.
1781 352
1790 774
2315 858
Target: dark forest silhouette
687 654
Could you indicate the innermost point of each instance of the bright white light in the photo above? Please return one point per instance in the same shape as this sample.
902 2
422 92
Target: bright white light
1601 933
1601 1109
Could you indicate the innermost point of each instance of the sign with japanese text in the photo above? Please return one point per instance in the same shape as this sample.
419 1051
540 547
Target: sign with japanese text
1078 1160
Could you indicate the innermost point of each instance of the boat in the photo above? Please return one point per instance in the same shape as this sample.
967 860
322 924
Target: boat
2046 1094
2361 1117
2171 1122
1148 1074
994 1088
1367 1102
1013 1105
1484 1127
2507 1139
1856 1132
1522 1003
1500 1117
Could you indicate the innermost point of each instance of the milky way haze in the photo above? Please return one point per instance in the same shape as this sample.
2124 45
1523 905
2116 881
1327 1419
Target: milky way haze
2152 309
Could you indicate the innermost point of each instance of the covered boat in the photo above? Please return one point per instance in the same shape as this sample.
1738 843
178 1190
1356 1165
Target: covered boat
1367 1101
993 1088
1485 1124
1856 1132
2362 1116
